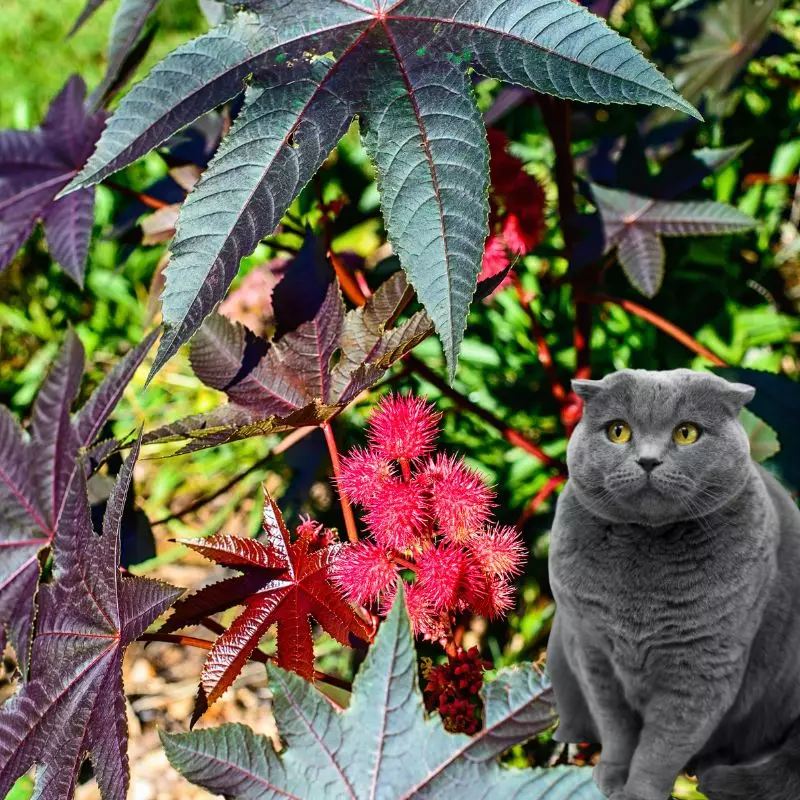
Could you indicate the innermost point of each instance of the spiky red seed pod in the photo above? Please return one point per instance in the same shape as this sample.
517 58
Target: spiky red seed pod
460 500
494 599
403 428
363 473
495 259
364 572
440 576
498 551
397 514
425 622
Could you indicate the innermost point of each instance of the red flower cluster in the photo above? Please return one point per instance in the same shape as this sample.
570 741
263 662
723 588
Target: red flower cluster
428 514
517 202
453 689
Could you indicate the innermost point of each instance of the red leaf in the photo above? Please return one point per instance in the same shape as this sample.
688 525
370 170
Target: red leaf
283 583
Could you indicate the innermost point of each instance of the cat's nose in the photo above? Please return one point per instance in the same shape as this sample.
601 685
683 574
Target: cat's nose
648 464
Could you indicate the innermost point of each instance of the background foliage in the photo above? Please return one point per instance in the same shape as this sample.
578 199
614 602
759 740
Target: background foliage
736 297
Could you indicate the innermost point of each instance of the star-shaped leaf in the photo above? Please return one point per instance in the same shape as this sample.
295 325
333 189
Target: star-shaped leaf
282 584
634 225
35 166
400 67
383 745
37 470
731 34
295 381
73 704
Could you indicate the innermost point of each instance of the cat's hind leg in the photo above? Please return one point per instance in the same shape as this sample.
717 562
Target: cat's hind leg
775 776
575 719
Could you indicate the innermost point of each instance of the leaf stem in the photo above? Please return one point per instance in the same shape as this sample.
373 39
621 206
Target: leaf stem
545 356
553 482
351 286
510 434
663 324
148 200
557 115
289 440
347 509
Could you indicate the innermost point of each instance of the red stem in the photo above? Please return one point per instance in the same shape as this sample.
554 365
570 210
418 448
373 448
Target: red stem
347 509
148 200
536 501
353 289
509 434
680 335
402 562
557 115
545 356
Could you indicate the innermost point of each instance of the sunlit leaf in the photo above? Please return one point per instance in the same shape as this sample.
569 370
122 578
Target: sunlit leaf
282 584
312 67
383 745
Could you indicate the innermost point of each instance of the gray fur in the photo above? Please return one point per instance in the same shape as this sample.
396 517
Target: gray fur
676 640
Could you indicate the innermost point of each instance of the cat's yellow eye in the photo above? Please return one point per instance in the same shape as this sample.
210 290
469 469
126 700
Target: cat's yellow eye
686 433
619 432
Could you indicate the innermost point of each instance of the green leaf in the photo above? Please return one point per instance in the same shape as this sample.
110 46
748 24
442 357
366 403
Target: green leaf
776 402
732 32
401 69
634 224
383 745
763 439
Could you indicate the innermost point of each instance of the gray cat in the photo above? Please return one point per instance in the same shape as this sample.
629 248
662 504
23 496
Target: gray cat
675 565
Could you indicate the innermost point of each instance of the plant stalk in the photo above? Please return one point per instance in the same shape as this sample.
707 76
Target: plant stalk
347 509
510 434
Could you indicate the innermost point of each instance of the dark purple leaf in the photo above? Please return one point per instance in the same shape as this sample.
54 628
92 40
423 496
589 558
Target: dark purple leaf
297 380
73 704
37 471
35 166
303 288
634 225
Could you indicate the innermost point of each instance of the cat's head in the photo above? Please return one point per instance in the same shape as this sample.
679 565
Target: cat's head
659 447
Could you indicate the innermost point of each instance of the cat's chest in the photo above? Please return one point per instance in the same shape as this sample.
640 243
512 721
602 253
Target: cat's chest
632 590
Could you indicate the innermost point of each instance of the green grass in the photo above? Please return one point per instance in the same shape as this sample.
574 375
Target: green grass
38 58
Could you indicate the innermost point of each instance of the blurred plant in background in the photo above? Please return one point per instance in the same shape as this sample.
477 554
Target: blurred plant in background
619 237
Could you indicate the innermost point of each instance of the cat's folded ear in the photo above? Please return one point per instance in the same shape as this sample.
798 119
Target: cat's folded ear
586 389
737 395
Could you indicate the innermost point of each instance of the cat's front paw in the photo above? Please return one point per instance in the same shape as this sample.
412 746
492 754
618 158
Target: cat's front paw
610 778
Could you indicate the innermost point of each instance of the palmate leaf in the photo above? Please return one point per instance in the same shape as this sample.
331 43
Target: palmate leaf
383 745
313 66
293 382
73 704
635 225
282 584
732 33
37 470
34 167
